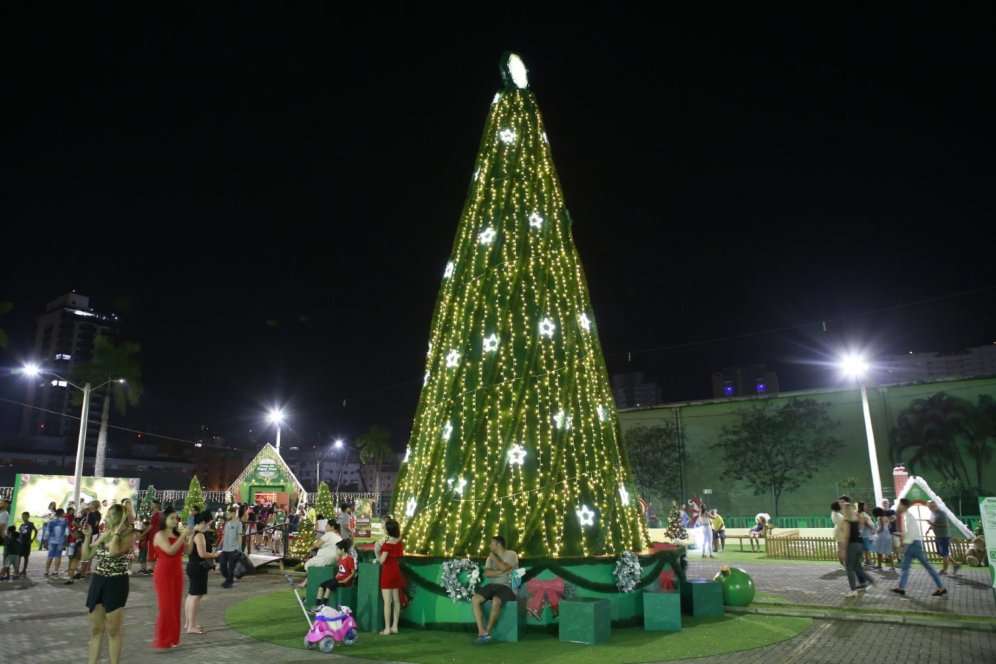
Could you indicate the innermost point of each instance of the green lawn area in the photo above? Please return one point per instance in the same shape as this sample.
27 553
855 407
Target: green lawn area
276 618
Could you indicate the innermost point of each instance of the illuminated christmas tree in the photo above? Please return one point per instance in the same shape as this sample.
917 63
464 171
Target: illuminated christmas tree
305 537
675 531
194 499
145 505
323 503
516 430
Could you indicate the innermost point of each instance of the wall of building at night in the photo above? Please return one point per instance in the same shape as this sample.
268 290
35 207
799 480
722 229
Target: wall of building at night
702 424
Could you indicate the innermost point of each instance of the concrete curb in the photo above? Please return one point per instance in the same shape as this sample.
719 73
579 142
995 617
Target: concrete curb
844 615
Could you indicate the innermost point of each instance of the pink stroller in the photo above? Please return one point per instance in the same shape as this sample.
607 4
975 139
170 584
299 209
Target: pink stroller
329 627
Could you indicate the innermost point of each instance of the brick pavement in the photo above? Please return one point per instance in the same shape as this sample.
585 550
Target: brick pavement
969 592
47 622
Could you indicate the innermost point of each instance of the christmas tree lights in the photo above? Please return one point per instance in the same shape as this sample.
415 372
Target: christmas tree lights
516 438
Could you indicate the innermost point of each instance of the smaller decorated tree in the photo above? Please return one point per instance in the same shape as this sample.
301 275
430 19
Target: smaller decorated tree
303 539
194 500
145 504
675 531
324 504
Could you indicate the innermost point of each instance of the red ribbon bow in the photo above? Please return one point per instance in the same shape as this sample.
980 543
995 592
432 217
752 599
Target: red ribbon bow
541 592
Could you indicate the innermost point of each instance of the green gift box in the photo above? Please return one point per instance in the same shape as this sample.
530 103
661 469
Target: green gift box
585 620
661 612
316 577
702 598
369 609
509 623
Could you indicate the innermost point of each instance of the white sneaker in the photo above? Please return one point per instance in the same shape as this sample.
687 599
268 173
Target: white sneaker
853 593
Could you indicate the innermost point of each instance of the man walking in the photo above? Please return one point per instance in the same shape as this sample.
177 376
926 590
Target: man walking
913 540
231 545
939 525
345 520
498 570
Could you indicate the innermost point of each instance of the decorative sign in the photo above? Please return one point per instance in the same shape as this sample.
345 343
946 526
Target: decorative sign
987 513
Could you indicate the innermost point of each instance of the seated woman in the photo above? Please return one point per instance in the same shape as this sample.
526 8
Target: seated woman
755 533
345 574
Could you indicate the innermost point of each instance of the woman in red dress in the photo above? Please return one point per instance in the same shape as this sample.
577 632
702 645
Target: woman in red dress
389 555
168 579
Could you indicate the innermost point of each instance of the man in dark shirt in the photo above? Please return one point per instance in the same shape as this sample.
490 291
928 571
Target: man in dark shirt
28 534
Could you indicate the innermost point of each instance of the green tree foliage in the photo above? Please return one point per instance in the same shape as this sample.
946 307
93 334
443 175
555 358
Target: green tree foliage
980 432
775 449
655 456
194 499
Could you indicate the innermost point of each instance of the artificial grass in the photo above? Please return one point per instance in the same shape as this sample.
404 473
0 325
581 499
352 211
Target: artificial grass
276 618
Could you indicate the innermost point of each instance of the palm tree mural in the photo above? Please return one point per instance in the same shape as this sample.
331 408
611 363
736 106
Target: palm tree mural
112 361
375 448
980 431
927 434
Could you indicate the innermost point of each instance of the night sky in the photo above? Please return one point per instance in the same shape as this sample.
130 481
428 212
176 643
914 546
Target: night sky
268 200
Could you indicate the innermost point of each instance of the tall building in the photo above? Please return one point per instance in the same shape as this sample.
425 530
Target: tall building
745 381
632 391
919 367
64 339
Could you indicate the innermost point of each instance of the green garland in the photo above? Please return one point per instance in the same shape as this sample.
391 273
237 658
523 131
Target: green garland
672 558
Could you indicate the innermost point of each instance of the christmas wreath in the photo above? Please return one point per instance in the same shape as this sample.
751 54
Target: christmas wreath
627 572
452 578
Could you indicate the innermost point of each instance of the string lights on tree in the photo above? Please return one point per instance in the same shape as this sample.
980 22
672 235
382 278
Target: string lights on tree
519 368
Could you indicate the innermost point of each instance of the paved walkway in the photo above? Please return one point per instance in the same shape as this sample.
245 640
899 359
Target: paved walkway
969 592
43 621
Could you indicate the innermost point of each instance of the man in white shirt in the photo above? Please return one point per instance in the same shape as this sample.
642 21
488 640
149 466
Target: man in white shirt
913 541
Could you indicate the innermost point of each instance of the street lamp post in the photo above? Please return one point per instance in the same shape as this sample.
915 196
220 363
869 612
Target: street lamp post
32 370
856 368
318 462
276 416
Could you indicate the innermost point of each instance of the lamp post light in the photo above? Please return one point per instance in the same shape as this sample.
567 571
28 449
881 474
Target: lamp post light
276 417
337 444
855 367
32 370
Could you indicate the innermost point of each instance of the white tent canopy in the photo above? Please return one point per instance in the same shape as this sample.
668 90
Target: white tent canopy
915 481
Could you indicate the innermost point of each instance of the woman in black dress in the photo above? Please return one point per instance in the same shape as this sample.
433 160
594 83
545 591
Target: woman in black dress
108 591
197 571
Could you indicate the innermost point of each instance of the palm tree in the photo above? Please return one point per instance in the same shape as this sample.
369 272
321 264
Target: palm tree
980 430
5 307
112 361
927 434
375 448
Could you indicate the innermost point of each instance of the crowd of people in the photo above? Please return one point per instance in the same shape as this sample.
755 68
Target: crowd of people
707 526
871 539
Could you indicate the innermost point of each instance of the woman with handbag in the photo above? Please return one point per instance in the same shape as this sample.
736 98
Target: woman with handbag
200 561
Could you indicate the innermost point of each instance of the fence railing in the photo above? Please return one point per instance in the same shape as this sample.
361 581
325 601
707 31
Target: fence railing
813 521
825 548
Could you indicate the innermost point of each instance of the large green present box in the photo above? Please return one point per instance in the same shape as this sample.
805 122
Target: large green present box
661 612
702 598
369 609
585 620
510 622
316 577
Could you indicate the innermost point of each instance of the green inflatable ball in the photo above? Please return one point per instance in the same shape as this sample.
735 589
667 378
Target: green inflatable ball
738 587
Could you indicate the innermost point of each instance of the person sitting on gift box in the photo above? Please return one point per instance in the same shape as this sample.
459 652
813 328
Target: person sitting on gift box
498 568
343 578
